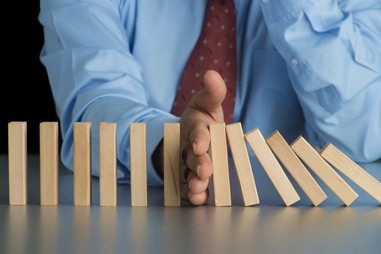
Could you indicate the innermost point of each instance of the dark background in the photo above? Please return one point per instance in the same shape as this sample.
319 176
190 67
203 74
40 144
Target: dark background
25 90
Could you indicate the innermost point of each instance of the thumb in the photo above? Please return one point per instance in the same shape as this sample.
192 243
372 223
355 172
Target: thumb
210 98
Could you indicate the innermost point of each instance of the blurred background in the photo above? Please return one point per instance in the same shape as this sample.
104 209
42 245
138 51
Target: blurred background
26 94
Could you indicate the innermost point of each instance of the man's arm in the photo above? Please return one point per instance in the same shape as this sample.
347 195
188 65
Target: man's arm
334 62
94 77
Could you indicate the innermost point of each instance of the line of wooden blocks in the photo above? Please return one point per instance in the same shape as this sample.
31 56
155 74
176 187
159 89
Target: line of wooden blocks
264 150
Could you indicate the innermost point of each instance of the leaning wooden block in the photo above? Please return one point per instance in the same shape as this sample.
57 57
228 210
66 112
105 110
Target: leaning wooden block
49 163
272 167
219 155
107 164
321 168
82 163
242 164
296 168
172 164
353 171
138 164
17 152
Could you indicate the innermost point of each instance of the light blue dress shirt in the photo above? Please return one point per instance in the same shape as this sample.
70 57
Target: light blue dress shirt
310 68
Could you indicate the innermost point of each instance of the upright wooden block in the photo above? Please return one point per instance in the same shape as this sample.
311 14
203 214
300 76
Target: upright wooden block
107 165
17 152
353 171
49 163
138 164
272 167
82 163
296 168
219 155
172 164
242 164
321 168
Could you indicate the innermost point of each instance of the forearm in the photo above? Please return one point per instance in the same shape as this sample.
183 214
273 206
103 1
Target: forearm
113 109
325 45
95 78
334 63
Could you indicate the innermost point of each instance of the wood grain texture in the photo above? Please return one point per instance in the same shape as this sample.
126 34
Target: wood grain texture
172 164
219 156
353 171
138 164
242 164
321 168
271 166
82 163
49 160
107 165
296 168
17 153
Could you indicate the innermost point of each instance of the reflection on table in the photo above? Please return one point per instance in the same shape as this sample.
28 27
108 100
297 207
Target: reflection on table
266 228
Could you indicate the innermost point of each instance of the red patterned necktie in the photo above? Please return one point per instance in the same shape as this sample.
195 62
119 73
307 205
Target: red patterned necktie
216 49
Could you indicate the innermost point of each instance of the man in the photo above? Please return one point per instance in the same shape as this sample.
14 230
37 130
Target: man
309 68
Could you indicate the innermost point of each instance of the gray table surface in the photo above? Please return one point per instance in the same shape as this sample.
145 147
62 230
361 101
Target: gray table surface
269 227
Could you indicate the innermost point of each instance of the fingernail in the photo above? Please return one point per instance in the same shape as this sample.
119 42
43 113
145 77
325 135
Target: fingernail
194 146
198 166
190 183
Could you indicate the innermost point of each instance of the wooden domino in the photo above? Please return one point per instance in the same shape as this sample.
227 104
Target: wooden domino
296 168
138 164
353 171
219 156
82 163
242 164
172 164
17 153
288 154
49 163
321 168
272 167
107 165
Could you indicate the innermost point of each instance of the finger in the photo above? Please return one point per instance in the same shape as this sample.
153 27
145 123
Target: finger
200 198
196 184
201 165
195 131
210 98
200 138
195 199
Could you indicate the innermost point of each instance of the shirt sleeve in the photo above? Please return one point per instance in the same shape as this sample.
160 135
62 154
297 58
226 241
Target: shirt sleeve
95 78
334 63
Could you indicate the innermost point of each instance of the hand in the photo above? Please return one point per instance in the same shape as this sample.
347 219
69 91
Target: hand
196 169
203 109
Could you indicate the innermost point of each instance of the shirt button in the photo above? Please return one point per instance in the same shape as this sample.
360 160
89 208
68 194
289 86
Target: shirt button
294 62
266 1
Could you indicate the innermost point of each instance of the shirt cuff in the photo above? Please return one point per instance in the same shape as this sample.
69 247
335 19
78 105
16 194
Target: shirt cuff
155 133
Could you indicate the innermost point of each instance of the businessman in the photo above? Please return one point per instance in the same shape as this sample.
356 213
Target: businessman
309 68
